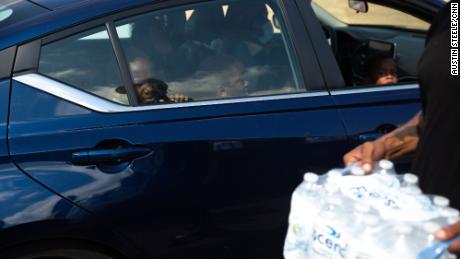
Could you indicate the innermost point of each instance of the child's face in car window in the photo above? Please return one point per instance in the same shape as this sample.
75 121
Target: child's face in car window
387 72
235 86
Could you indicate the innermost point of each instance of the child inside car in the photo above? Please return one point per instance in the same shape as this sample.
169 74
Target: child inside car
380 70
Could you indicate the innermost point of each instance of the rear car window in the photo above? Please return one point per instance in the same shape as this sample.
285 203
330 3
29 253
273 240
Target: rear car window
212 50
85 62
205 51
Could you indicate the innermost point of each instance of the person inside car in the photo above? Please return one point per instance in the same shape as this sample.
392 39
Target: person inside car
149 89
225 72
152 90
380 70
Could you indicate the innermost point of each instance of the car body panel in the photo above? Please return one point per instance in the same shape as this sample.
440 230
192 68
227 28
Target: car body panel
56 4
28 210
218 165
51 21
368 111
4 103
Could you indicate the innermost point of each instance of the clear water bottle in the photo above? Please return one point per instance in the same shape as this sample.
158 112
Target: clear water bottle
447 216
409 184
304 208
333 177
452 220
360 212
364 244
398 241
385 172
428 230
440 201
409 180
330 239
356 170
427 238
385 167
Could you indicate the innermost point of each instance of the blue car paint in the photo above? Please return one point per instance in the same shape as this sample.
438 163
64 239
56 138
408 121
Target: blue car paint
370 110
214 164
50 21
22 200
4 101
55 4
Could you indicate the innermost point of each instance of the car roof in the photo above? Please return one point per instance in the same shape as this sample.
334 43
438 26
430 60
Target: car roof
29 19
34 18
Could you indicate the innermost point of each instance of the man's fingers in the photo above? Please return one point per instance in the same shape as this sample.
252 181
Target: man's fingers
179 98
367 151
352 156
455 247
448 232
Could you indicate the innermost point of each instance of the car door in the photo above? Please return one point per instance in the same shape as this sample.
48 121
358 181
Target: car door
370 111
206 178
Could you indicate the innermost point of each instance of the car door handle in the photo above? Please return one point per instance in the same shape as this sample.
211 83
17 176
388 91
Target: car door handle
371 136
115 155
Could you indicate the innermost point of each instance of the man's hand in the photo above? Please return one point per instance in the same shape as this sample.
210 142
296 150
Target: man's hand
179 98
450 232
366 154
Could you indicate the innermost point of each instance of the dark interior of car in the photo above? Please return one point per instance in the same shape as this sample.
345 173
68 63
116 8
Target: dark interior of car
352 45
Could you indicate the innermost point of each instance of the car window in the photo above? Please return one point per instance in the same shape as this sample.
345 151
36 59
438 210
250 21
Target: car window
378 15
211 50
86 61
381 47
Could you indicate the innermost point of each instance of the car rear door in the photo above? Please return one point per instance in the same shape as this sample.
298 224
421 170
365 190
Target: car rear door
209 178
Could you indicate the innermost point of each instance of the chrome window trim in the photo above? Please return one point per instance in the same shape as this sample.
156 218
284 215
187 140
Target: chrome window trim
375 89
99 104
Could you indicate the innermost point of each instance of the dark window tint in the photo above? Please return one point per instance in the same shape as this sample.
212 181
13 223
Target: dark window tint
86 61
211 50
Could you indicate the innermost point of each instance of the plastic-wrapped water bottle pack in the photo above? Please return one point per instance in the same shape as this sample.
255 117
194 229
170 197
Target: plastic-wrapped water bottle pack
346 214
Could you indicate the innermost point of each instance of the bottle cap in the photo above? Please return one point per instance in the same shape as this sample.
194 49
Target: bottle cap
356 170
310 177
334 173
452 220
450 212
410 178
386 164
440 201
333 176
431 227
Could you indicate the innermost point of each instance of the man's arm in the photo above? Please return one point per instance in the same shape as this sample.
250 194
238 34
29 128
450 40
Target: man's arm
399 142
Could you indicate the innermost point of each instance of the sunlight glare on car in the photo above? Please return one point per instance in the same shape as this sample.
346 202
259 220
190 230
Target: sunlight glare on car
5 13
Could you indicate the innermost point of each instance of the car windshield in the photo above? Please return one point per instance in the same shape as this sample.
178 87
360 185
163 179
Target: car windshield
14 11
378 15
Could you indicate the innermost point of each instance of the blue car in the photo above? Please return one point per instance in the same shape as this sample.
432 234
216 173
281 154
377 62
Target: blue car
180 128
